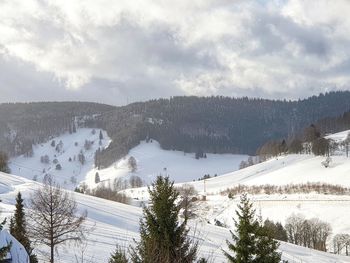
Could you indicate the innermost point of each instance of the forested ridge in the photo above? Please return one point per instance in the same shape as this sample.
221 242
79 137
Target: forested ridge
186 123
25 124
215 124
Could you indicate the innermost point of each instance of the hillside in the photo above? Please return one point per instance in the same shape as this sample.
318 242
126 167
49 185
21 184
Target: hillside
72 171
150 158
25 124
187 124
328 201
152 161
115 223
215 124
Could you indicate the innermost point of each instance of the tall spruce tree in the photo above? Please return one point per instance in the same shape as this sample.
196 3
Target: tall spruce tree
18 228
163 238
252 243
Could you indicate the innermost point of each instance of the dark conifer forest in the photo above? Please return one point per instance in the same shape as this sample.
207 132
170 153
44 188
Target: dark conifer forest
190 124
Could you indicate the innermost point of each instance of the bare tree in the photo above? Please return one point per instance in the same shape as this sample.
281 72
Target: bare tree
135 181
341 242
54 219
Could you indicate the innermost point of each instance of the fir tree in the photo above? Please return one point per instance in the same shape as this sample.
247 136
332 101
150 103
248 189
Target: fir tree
252 243
163 238
101 135
266 248
97 178
244 245
118 256
18 228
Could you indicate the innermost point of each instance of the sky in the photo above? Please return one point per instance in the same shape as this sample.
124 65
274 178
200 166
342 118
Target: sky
121 51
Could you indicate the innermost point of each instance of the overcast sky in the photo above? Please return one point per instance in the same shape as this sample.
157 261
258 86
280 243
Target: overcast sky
120 51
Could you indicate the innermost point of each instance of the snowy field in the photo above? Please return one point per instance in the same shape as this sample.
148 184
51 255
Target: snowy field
151 161
113 223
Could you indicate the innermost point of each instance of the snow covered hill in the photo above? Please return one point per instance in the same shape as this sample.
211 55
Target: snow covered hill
72 171
151 161
118 223
114 223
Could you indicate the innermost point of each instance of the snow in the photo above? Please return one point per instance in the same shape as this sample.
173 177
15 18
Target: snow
17 252
289 169
338 137
72 172
111 223
153 161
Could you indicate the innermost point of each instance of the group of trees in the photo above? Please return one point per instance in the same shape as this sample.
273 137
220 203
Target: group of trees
319 188
4 163
341 244
309 141
311 233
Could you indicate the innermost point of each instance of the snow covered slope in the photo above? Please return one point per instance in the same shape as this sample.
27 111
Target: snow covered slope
289 169
117 223
284 170
339 137
152 161
72 171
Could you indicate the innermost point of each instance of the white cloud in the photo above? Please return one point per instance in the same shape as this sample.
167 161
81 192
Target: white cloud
152 48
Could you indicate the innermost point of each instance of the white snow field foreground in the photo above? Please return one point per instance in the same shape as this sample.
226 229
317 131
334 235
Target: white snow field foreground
114 223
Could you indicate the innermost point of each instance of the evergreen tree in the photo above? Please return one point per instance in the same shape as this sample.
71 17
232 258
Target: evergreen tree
118 256
101 135
18 228
97 178
4 163
252 243
266 248
163 238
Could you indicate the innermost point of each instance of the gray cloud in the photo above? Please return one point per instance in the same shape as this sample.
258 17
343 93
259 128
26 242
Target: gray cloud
122 52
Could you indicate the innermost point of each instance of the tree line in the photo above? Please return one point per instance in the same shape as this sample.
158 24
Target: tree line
215 124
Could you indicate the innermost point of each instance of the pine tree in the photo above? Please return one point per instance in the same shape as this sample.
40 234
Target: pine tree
118 256
163 238
266 248
244 245
101 135
97 178
252 243
18 228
